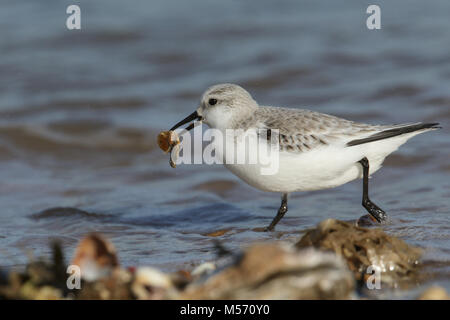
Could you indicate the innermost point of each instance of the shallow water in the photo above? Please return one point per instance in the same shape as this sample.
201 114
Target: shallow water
80 111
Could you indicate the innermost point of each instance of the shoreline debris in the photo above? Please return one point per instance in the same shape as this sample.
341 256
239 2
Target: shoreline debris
365 248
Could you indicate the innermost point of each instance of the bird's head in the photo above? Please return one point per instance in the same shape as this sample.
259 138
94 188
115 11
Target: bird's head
222 106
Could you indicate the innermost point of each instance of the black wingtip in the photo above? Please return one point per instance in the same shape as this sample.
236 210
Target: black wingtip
395 132
434 125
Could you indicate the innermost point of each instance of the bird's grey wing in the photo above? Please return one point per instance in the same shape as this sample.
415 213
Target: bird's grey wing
303 130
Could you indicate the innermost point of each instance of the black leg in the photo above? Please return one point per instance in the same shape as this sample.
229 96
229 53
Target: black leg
281 212
371 207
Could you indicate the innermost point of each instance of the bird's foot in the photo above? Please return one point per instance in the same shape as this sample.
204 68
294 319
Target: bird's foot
376 212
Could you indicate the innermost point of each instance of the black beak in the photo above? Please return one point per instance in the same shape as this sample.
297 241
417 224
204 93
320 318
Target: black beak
193 116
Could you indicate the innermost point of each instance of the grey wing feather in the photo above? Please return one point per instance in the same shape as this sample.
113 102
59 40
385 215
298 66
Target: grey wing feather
302 130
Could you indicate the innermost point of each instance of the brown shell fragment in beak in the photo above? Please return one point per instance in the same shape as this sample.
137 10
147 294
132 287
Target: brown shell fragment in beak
174 152
167 140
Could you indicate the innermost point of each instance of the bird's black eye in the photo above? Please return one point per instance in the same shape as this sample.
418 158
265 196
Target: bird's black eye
212 102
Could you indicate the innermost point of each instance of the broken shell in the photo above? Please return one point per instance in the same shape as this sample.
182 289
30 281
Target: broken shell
167 140
150 283
203 269
96 257
174 153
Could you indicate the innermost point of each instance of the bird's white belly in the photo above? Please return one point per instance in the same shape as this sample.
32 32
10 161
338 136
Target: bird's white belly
324 168
297 173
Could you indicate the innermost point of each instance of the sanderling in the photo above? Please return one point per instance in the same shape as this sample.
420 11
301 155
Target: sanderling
317 151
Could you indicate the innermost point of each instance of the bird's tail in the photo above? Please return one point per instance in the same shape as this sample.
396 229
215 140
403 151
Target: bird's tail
395 131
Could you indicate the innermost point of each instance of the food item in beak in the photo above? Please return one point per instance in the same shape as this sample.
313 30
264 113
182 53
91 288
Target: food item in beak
174 155
169 141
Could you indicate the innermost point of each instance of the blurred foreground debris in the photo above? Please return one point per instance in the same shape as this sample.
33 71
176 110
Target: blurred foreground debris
96 257
326 263
277 271
365 250
41 279
434 293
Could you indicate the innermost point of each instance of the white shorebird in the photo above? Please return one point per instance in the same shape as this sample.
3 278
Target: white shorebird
317 151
